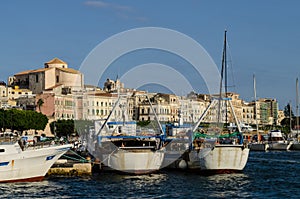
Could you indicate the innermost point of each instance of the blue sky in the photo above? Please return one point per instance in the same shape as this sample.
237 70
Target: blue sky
263 35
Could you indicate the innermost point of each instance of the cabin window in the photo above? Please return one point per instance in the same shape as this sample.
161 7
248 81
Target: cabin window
2 150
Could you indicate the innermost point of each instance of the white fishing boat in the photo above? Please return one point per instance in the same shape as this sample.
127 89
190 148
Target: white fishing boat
226 153
130 152
119 146
220 154
24 164
277 142
216 151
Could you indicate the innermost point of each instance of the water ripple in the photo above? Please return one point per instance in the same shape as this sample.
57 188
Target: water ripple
267 175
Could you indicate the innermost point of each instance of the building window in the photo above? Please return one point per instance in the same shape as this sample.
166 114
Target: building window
57 78
36 78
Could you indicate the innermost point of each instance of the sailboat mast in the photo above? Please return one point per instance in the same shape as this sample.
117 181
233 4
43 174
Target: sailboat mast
290 115
297 105
255 105
225 70
221 81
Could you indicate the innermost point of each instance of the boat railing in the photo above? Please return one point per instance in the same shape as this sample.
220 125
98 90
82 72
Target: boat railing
38 145
8 139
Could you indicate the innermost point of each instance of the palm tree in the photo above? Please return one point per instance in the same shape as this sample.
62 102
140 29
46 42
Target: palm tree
40 103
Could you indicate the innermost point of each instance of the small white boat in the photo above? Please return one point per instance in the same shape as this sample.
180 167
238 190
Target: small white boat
258 143
27 163
295 145
121 147
258 146
277 142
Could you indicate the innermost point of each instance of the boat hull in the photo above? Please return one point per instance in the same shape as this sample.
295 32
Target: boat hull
223 158
258 146
135 162
279 146
29 165
295 146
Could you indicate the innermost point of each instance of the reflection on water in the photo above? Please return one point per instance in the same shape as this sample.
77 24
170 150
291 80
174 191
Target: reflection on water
267 175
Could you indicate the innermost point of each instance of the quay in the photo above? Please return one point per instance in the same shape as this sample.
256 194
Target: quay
64 167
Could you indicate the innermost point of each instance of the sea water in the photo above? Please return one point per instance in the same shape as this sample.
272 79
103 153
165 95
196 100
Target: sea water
266 175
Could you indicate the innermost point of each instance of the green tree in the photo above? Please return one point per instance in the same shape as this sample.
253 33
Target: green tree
62 128
21 120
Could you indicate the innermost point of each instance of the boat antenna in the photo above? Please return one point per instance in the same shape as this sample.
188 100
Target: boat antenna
290 116
297 105
255 107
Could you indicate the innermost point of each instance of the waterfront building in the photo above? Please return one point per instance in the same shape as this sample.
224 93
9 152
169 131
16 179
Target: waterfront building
113 86
58 92
267 111
54 73
99 104
3 95
191 108
165 106
135 99
237 104
248 116
13 96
